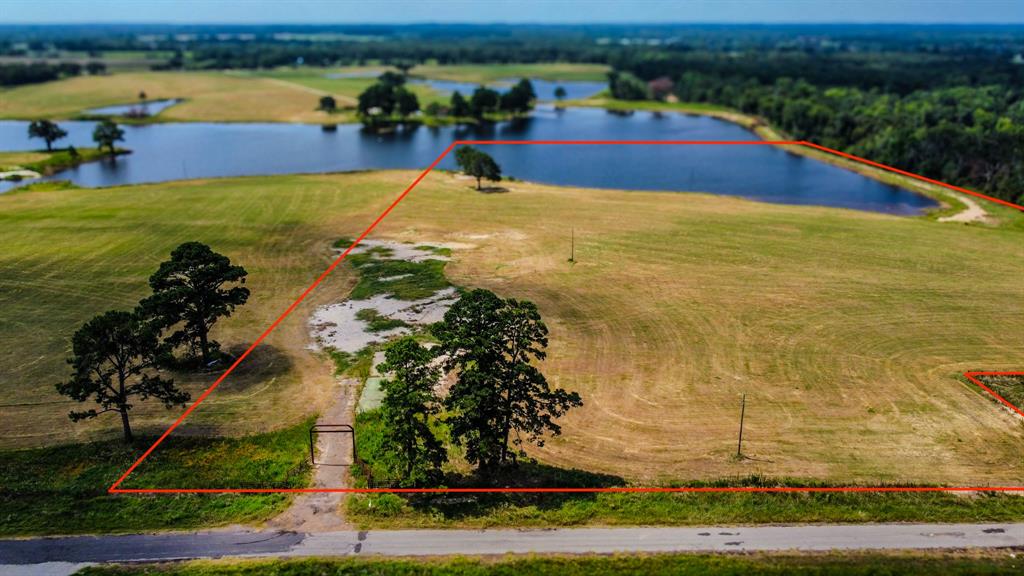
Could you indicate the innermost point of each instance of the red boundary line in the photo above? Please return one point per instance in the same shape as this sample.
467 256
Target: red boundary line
114 488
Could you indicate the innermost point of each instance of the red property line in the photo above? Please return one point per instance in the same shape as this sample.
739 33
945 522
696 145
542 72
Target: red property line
971 376
114 488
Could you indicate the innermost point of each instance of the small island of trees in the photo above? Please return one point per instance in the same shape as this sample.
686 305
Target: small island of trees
389 102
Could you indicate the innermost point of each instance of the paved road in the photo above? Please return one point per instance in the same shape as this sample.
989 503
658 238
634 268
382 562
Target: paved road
433 542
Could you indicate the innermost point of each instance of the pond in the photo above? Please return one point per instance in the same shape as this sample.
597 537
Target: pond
140 108
192 150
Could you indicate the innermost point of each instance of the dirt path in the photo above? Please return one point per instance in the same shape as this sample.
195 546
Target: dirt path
322 512
973 213
346 100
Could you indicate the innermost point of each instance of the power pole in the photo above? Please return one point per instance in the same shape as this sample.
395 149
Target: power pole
743 411
572 245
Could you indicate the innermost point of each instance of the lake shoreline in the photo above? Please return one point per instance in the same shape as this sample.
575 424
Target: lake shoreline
765 173
949 203
59 160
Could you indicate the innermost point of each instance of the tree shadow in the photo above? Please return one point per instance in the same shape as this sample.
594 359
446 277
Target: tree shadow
492 190
523 475
263 363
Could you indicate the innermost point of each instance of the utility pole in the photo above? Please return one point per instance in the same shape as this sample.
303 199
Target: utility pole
572 245
743 411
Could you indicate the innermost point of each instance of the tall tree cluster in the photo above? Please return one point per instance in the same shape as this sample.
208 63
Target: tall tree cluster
387 98
499 401
120 356
518 99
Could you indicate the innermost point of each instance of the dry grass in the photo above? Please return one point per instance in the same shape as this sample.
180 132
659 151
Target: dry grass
16 160
211 97
845 329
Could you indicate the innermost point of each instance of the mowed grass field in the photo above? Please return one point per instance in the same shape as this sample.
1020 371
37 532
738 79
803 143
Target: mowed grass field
279 95
72 254
210 97
846 330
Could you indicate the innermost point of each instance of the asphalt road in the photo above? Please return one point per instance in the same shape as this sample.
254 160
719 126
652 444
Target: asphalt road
167 546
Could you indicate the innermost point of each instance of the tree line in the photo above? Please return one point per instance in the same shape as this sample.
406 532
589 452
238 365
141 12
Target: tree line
36 72
499 400
120 356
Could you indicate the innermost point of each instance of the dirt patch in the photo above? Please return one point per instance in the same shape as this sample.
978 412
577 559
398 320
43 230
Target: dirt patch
341 325
973 213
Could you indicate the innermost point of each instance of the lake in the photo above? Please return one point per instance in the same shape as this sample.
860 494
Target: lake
199 150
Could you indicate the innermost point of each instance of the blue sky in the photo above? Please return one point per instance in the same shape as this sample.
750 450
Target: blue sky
511 11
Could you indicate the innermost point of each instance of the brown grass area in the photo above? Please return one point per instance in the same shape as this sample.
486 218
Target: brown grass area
211 97
846 330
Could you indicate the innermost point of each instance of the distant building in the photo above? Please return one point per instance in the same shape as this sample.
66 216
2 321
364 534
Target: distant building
660 88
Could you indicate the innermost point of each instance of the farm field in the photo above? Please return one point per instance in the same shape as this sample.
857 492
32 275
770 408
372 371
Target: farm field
210 97
278 95
846 330
345 90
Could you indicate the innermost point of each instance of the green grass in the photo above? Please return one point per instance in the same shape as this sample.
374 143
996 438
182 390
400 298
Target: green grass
600 101
1011 388
758 564
357 365
73 253
395 511
47 186
400 279
390 511
63 489
377 322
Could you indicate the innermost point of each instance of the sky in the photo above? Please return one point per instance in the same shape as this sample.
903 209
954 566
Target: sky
510 11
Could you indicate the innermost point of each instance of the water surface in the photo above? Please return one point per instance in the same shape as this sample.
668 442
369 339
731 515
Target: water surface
192 150
147 108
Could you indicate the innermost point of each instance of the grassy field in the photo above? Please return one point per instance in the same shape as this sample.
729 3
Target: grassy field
345 90
72 254
280 95
210 97
847 564
845 329
63 489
